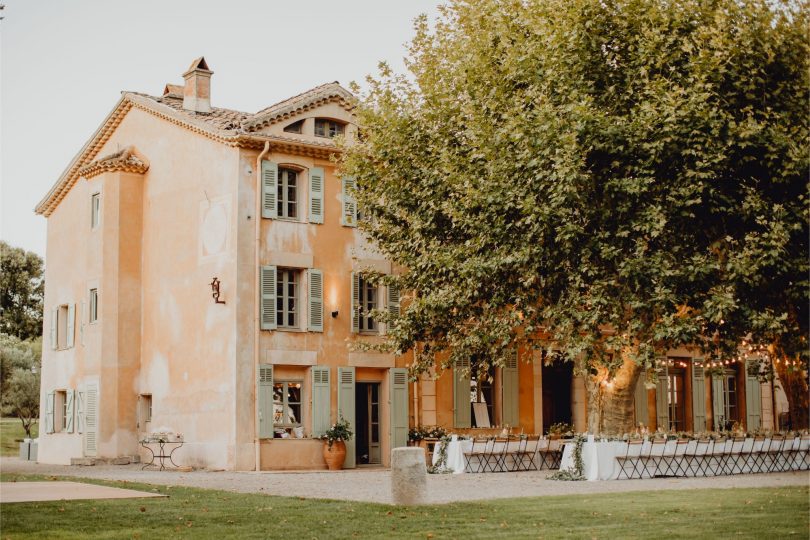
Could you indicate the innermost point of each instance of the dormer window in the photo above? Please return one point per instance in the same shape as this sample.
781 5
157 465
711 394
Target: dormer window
295 127
328 128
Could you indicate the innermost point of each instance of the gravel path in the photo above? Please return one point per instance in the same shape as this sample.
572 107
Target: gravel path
373 485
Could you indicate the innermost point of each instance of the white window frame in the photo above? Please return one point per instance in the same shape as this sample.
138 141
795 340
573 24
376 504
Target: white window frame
285 404
92 316
95 210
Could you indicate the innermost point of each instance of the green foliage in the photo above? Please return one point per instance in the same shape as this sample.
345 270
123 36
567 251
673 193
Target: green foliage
199 513
553 169
22 290
340 431
20 363
11 433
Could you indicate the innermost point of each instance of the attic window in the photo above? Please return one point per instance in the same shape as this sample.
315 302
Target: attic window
328 128
295 127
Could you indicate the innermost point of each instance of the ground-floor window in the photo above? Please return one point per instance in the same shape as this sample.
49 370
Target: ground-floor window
730 408
676 400
286 406
60 410
482 398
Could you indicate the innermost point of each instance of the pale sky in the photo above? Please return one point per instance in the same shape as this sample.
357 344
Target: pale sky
63 64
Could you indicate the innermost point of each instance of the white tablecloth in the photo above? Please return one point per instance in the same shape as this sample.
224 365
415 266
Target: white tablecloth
598 459
455 454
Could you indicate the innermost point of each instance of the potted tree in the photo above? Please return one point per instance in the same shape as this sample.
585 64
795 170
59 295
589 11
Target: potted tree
334 448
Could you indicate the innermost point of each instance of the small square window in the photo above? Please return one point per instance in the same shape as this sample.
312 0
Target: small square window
93 305
95 210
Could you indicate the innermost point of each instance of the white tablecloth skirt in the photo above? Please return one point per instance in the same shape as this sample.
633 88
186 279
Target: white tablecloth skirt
455 454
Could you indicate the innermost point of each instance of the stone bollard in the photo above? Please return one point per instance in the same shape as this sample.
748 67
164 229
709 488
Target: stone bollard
408 476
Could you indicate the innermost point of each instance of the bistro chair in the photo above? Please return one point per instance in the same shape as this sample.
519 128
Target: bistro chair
696 456
524 460
475 459
630 463
774 457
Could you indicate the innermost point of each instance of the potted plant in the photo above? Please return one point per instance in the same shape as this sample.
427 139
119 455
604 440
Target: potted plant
334 448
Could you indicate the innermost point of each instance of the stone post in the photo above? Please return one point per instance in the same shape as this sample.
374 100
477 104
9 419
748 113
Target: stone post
408 476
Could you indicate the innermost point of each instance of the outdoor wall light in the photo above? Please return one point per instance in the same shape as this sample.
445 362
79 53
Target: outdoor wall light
334 314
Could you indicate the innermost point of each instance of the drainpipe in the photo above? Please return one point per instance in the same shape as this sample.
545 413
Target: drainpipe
257 215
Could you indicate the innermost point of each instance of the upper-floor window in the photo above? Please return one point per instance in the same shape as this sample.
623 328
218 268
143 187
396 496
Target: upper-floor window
295 127
287 194
93 316
328 128
287 296
95 210
368 301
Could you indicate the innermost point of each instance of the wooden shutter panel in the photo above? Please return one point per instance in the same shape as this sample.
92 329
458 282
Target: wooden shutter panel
82 321
642 410
355 302
315 301
80 412
264 394
753 396
49 405
510 391
661 398
316 195
70 396
91 421
346 410
718 402
71 325
321 400
698 395
54 326
393 301
349 213
398 406
267 304
461 394
269 187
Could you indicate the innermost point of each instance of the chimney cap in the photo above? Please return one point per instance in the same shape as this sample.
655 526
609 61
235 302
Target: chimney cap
198 64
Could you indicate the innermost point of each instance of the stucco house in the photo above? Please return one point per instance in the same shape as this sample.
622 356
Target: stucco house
205 275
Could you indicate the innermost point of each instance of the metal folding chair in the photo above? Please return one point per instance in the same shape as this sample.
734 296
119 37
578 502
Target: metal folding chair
774 453
514 445
630 460
654 459
524 460
475 459
735 460
758 454
676 461
497 456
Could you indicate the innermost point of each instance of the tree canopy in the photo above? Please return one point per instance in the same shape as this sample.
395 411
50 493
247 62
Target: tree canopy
22 290
598 175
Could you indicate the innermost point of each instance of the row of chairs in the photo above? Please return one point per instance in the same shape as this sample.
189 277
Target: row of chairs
513 453
708 457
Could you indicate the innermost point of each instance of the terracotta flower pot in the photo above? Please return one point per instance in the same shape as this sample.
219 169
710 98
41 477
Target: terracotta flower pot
334 456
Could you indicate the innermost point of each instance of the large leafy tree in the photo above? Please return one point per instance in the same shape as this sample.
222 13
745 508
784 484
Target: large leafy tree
605 178
21 292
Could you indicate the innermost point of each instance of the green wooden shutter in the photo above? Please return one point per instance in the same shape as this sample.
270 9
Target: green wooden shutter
315 301
267 305
269 187
49 405
661 398
316 195
349 213
80 412
393 301
264 394
461 394
346 410
753 396
510 392
355 311
70 396
91 420
54 326
321 400
71 326
399 406
698 395
642 409
718 401
82 321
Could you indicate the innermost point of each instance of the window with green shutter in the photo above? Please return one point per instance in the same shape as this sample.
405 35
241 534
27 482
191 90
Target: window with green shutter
264 396
399 406
718 410
321 400
698 396
267 304
70 400
510 415
347 411
661 394
70 326
50 403
269 189
316 198
753 396
348 216
315 301
91 420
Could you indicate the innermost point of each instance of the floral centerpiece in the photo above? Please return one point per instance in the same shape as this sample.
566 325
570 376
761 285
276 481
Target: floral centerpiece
555 431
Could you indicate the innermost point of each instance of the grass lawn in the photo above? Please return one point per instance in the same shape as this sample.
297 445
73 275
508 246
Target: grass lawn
199 513
11 431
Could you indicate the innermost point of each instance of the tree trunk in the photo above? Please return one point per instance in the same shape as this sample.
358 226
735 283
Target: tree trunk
611 401
794 383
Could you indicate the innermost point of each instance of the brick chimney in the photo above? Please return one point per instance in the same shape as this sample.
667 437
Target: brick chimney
197 89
